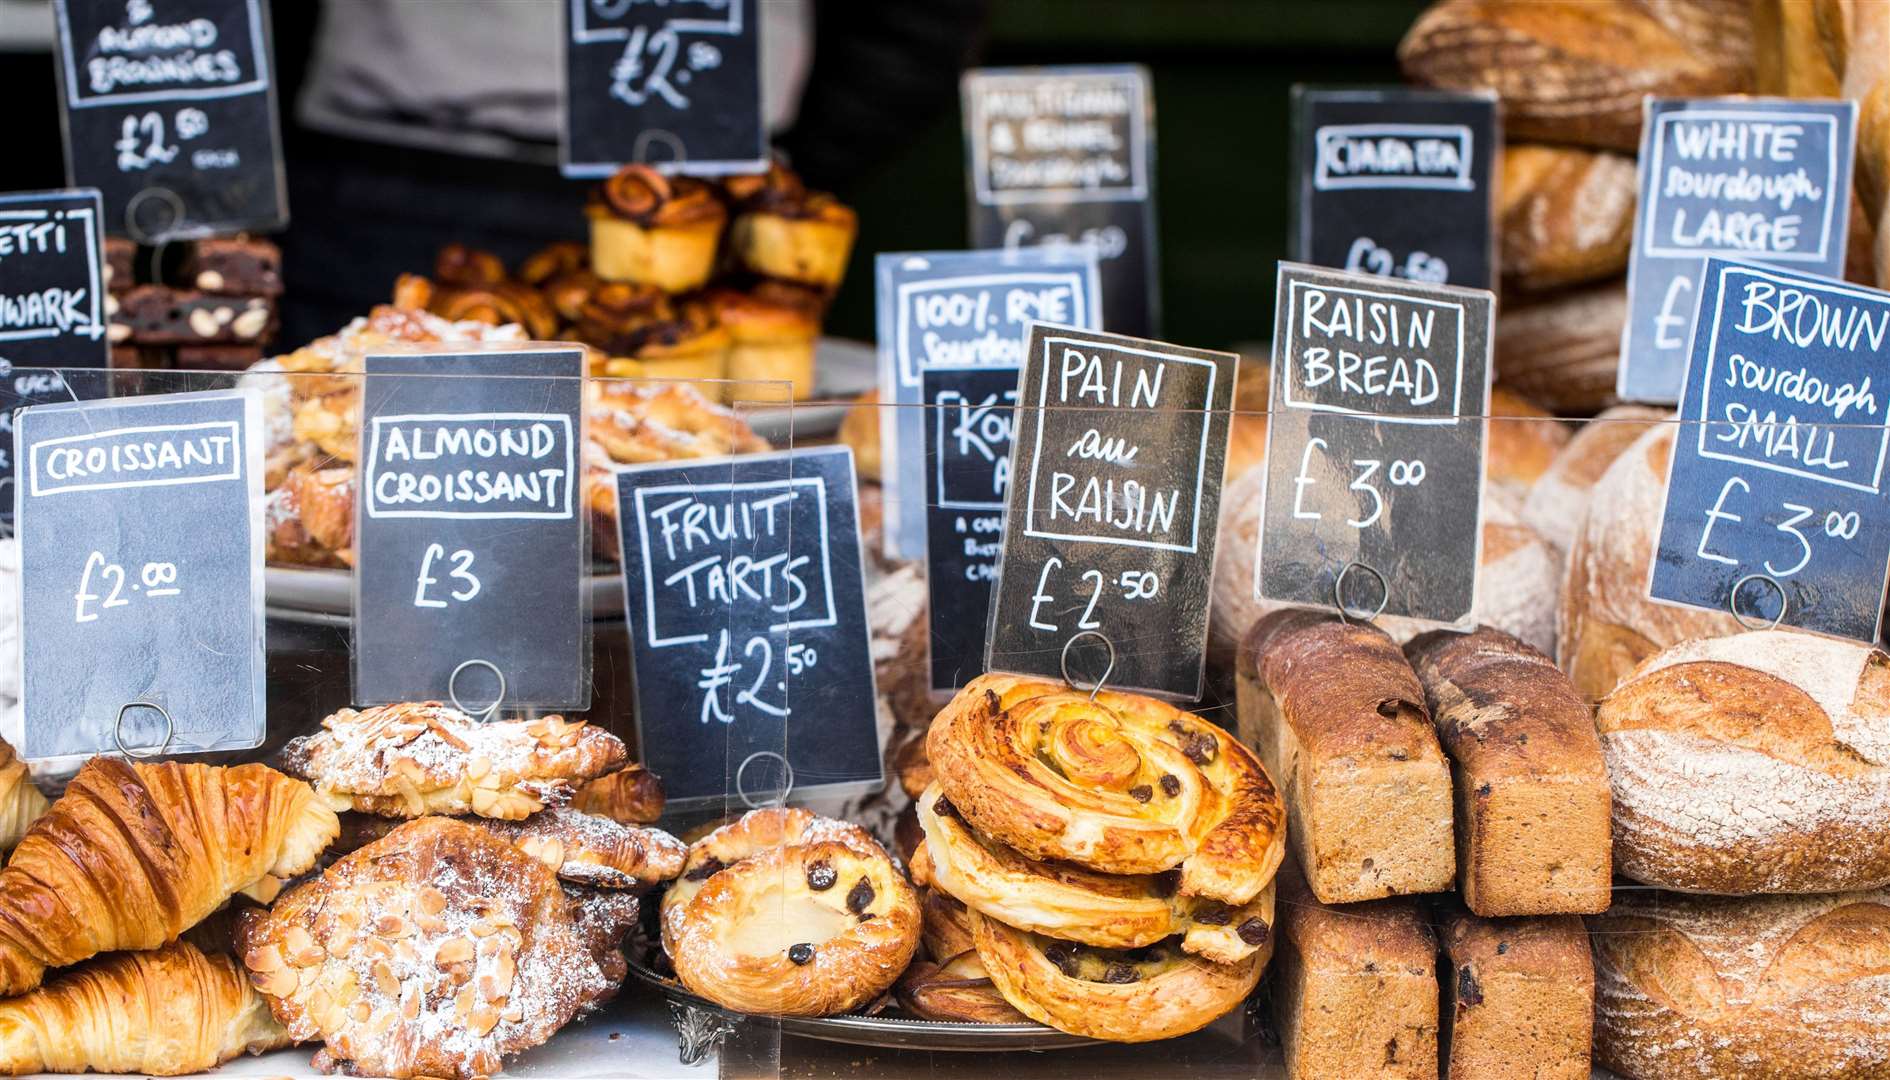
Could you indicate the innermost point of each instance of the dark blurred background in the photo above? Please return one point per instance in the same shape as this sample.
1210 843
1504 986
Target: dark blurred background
1221 69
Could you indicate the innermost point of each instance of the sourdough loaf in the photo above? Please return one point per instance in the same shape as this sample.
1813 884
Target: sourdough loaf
1765 988
1354 987
1339 720
1526 768
1555 505
1605 623
1563 348
1519 998
1566 214
1755 763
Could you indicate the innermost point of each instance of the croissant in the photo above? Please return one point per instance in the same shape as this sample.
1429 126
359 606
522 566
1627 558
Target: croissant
162 1013
133 855
20 801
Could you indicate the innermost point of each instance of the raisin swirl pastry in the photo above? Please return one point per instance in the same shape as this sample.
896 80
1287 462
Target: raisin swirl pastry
655 230
1070 903
1124 784
950 983
784 913
783 230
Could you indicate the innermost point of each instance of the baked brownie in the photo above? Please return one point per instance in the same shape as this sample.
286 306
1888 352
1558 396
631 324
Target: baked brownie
160 315
235 266
117 271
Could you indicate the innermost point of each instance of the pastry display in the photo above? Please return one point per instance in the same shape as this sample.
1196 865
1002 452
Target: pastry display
582 849
1519 998
20 802
656 230
785 913
782 230
1527 773
949 982
438 950
1766 988
167 1012
417 758
1339 716
1754 763
133 855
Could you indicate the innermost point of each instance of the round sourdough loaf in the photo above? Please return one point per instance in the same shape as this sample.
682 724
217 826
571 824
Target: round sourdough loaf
1755 763
1563 348
1559 497
1767 988
1605 624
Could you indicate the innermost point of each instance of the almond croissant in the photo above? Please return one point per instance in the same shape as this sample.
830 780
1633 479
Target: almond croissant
162 1013
133 855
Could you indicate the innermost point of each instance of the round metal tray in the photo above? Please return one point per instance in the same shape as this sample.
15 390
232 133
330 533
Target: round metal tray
701 1022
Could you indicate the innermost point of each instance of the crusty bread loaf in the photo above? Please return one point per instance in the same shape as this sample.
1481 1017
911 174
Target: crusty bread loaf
1523 440
1867 79
1531 789
1575 71
1756 763
1566 214
1766 988
1559 498
1563 348
1338 718
1605 623
1354 987
1519 998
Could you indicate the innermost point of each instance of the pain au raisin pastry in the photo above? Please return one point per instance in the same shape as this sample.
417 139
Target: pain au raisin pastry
1123 784
420 758
654 229
784 913
1124 995
438 950
133 855
166 1012
1066 901
783 230
949 982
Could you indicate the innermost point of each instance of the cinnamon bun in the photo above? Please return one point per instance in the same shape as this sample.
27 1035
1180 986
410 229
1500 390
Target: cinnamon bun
653 229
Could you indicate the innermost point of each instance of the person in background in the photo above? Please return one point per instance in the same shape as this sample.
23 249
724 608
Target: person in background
409 124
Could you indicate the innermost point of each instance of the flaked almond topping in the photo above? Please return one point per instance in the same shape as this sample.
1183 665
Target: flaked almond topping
410 1002
361 1012
456 951
466 1001
384 979
309 957
382 1022
483 1020
477 767
277 984
390 927
263 960
431 900
295 939
428 924
483 928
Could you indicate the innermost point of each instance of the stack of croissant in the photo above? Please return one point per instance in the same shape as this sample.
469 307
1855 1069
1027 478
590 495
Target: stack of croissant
1106 861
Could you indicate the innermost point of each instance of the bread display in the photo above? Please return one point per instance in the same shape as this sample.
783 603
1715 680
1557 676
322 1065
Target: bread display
1566 214
785 913
1519 998
1354 987
1605 623
1755 763
1526 767
1339 717
1765 988
1559 497
133 855
166 1012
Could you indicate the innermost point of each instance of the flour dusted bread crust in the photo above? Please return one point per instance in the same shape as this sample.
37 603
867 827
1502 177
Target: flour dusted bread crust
1756 763
1122 784
1563 348
784 913
1763 988
1567 214
1519 998
1526 768
1354 987
420 758
1559 498
1605 623
1340 718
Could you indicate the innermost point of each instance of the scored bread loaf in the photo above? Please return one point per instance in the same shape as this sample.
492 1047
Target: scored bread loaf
1526 767
1338 718
1563 349
1523 440
1605 623
1765 988
1756 763
1559 498
1519 998
1566 214
1354 987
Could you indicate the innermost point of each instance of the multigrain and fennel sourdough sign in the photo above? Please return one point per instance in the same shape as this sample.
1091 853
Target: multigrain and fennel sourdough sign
471 543
1776 494
1396 183
1759 180
1375 445
1058 156
170 111
1115 496
140 528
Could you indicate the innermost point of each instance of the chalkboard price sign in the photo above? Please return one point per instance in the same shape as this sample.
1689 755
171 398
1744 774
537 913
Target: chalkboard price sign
470 536
141 605
1114 504
1374 461
1759 180
676 85
753 671
1396 183
1059 156
170 111
968 421
1776 497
